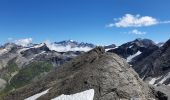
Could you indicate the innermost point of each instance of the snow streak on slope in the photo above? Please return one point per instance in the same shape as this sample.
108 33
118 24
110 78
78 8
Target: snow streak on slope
36 96
152 81
110 48
86 95
129 59
165 78
160 80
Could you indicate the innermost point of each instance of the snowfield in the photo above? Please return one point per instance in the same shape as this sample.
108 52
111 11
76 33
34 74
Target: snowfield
86 95
36 96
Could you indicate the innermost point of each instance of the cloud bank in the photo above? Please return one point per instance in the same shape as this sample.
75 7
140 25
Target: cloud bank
23 42
129 20
61 48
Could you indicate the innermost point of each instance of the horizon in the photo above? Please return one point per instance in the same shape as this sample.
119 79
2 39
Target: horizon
28 41
91 21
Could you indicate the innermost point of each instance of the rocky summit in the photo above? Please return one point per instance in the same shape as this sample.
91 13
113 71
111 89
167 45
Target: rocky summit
136 50
106 74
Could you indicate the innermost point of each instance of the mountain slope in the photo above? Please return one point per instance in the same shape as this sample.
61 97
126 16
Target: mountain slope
107 74
132 49
156 67
17 62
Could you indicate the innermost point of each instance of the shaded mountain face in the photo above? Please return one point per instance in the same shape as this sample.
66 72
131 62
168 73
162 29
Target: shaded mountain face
160 44
131 50
156 67
107 74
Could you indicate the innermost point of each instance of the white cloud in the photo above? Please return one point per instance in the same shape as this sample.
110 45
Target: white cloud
23 42
137 32
61 48
129 20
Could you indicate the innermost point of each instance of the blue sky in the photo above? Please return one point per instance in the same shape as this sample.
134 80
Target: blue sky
84 20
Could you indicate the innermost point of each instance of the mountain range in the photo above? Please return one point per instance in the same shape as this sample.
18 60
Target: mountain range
50 67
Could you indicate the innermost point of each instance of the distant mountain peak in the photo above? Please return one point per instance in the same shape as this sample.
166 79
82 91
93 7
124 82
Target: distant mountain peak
71 40
70 45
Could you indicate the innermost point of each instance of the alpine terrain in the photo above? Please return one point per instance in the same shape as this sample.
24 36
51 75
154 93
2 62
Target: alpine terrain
96 74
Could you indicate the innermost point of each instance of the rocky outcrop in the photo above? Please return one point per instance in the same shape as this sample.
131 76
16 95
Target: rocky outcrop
161 91
108 74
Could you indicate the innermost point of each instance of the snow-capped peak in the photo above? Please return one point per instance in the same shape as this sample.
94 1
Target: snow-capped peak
38 45
71 40
69 45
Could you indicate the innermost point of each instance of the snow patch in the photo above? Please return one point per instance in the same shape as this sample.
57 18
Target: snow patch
131 46
72 40
23 49
110 49
129 59
165 78
2 51
86 95
36 96
152 81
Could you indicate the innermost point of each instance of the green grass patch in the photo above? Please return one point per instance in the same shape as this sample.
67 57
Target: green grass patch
27 74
